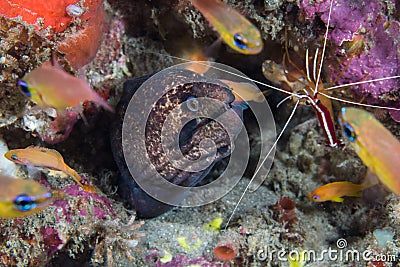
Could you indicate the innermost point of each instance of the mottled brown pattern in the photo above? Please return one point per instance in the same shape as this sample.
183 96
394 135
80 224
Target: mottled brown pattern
208 129
192 134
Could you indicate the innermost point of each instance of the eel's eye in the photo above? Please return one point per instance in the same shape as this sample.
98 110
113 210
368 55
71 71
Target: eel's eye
14 157
193 104
239 41
24 203
24 87
349 132
316 197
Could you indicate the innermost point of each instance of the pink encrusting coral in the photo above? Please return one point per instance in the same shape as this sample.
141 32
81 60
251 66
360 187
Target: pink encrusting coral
51 240
100 207
379 32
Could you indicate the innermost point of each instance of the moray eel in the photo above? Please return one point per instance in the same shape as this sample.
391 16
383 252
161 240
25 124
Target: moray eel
189 138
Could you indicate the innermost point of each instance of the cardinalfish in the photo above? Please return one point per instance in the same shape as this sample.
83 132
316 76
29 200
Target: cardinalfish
377 147
234 29
336 190
19 197
50 86
44 157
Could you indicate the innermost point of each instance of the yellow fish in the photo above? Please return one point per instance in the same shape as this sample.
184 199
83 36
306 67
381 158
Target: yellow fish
336 190
377 147
19 197
245 92
50 86
235 30
42 157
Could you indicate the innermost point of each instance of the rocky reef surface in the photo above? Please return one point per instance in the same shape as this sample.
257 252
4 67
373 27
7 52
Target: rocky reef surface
109 42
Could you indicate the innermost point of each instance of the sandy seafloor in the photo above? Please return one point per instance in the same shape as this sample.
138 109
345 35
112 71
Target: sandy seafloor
302 163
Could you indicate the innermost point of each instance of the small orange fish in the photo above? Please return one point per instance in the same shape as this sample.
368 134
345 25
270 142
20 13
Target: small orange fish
43 157
335 191
50 86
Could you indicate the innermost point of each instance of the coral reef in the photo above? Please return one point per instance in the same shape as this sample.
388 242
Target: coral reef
52 14
372 27
81 41
227 247
93 228
284 212
79 216
75 42
21 49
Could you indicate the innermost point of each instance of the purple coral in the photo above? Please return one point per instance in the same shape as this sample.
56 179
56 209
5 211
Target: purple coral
380 34
51 239
99 207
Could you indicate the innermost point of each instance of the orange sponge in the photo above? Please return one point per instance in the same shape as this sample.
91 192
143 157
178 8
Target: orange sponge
53 12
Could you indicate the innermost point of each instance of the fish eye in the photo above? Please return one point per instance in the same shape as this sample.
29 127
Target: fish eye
349 132
24 203
14 157
24 87
315 197
239 41
193 104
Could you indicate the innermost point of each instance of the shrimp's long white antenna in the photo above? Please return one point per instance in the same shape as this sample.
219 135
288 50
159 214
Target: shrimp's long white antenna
283 100
315 65
262 163
361 82
297 95
307 67
357 103
235 74
324 48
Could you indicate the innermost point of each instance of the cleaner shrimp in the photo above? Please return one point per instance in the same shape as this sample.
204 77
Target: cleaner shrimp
312 93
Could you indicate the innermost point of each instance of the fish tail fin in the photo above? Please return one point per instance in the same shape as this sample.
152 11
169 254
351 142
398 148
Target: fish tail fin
356 194
337 199
78 179
71 172
99 100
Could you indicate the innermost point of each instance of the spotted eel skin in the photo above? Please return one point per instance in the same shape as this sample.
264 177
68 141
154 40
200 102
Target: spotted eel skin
189 138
